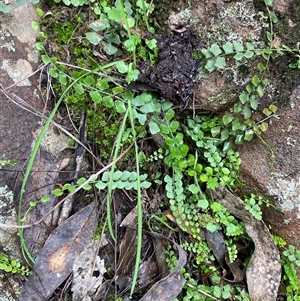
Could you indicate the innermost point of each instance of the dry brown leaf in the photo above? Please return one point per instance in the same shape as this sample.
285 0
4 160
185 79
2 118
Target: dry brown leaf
40 183
55 260
168 288
86 266
264 269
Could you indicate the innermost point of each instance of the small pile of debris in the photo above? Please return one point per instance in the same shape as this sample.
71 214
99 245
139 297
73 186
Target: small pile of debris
174 77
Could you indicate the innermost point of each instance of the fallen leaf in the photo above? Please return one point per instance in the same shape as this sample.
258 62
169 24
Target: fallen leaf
216 242
168 288
40 183
264 269
55 260
88 270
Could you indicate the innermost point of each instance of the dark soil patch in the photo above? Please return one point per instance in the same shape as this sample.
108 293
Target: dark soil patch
174 77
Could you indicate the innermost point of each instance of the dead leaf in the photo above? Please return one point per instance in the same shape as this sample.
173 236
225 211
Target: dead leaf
168 288
40 183
264 269
55 260
216 242
86 265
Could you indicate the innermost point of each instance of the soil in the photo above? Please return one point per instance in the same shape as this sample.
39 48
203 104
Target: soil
174 77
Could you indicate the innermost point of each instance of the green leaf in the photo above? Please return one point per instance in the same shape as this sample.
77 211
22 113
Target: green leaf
255 80
249 135
117 175
267 112
211 227
53 72
217 292
164 129
81 181
45 199
39 11
194 189
237 107
38 45
96 96
247 112
120 106
248 54
153 127
87 187
239 56
145 184
203 178
209 170
113 38
130 22
273 17
57 192
108 101
237 124
122 66
228 48
227 146
93 37
132 74
226 292
109 48
101 185
238 47
270 38
230 229
244 97
62 79
35 25
224 134
133 176
203 204
215 131
250 88
273 108
207 53
210 65
227 119
115 14
261 67
254 103
32 203
99 25
212 183
78 88
250 46
215 49
174 125
5 8
46 60
268 2
260 91
152 44
130 45
220 62
239 139
170 114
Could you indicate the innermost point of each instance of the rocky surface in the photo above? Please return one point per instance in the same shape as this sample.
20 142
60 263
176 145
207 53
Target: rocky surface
18 60
237 21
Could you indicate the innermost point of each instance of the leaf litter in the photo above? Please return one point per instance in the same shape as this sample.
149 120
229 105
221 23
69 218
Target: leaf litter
55 260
